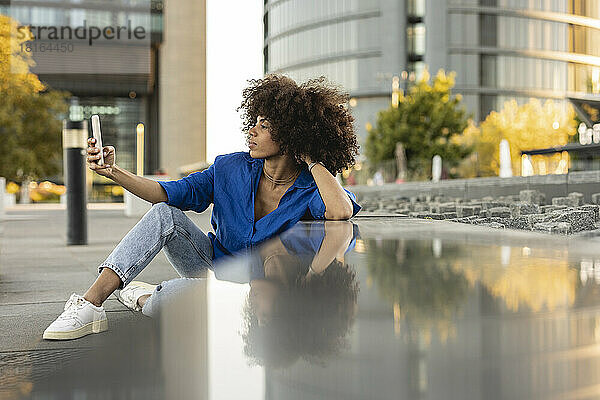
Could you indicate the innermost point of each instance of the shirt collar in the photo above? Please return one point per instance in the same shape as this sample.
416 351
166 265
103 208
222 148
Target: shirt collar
304 180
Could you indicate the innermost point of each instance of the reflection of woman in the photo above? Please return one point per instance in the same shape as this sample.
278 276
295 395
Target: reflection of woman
299 138
305 303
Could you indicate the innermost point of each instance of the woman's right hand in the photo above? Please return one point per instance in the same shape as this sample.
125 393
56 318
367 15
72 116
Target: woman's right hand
93 155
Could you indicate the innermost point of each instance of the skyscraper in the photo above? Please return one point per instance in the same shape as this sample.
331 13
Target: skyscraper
500 49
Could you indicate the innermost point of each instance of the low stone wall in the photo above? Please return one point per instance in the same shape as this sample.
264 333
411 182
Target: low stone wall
540 203
586 182
526 211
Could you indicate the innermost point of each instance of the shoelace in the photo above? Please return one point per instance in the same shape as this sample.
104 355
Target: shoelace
71 307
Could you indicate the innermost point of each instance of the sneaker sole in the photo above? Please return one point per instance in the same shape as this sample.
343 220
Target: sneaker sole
144 285
92 327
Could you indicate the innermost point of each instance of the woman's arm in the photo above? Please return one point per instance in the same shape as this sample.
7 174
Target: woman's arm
144 188
337 203
338 236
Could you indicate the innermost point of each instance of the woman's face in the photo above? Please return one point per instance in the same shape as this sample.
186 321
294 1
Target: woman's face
260 143
263 295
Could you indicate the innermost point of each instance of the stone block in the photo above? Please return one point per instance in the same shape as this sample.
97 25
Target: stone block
596 198
495 225
426 215
436 216
522 222
421 207
561 201
550 209
592 207
447 207
498 220
434 207
580 220
576 199
502 212
563 228
521 208
486 205
535 218
465 211
532 196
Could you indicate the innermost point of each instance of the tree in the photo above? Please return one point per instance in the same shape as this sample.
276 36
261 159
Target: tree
30 113
425 122
530 126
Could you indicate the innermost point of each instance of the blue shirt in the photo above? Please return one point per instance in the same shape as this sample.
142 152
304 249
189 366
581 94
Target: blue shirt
230 183
303 241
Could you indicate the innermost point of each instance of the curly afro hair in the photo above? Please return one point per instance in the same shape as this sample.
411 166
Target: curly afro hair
311 119
311 318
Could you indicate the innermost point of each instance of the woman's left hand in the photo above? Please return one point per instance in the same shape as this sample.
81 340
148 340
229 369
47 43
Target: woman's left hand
306 159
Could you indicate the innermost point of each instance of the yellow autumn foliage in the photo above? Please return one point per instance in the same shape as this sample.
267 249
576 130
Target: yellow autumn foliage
536 283
14 63
529 126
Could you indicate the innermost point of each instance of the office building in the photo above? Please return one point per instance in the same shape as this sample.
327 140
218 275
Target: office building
499 49
158 80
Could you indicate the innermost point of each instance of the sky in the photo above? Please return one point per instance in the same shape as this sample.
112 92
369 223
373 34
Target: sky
234 55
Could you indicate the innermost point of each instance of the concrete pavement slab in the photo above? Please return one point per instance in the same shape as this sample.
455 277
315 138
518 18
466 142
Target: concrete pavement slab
38 273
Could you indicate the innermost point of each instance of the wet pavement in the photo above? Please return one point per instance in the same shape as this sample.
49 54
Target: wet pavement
375 308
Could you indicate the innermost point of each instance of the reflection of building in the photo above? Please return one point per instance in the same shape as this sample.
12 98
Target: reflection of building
159 82
500 49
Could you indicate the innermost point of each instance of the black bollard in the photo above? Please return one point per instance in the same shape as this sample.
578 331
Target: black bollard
75 134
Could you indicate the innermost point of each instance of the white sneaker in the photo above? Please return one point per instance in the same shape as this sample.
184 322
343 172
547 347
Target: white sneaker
79 318
130 294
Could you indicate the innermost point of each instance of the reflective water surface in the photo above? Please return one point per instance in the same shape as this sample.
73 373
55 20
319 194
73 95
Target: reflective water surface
375 309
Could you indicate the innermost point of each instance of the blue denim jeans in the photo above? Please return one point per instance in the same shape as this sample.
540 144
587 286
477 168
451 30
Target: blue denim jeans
187 248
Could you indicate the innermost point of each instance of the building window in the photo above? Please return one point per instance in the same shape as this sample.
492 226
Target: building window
415 35
489 30
488 71
487 105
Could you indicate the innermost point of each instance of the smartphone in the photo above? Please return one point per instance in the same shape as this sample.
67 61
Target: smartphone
97 134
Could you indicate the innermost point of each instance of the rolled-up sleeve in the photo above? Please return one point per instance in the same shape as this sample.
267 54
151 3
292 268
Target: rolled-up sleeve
316 206
194 192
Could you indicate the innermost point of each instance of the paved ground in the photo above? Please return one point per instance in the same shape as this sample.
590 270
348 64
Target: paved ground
38 272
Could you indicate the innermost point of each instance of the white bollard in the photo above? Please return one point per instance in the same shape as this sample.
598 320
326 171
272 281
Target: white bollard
436 168
2 197
505 161
10 199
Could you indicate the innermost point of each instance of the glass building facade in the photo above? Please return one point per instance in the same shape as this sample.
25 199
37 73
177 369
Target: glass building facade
499 49
123 98
503 49
340 39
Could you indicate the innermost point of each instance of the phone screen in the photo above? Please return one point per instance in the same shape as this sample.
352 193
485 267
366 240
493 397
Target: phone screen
98 136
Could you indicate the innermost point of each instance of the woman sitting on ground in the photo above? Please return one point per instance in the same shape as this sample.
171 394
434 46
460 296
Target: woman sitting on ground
299 137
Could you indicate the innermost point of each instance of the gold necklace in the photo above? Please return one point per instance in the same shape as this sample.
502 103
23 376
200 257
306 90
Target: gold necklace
280 181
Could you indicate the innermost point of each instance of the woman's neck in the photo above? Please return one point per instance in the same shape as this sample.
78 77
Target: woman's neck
281 167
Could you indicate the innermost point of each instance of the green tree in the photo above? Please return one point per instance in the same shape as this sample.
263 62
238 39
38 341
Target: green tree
425 122
30 126
427 292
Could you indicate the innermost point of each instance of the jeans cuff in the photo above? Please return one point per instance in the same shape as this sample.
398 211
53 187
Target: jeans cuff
116 270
